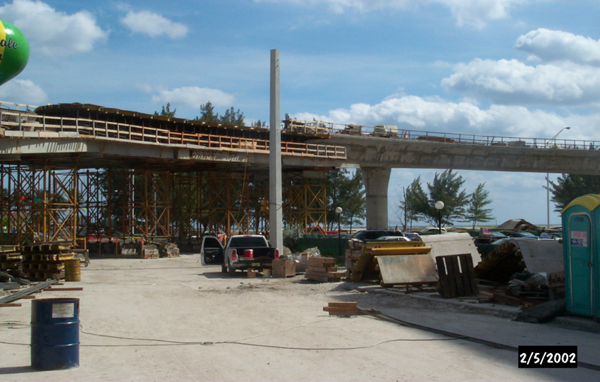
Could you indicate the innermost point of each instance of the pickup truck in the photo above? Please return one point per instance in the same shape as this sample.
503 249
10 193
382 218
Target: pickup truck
245 252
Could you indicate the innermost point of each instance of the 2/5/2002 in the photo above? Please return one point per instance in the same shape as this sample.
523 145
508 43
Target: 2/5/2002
547 356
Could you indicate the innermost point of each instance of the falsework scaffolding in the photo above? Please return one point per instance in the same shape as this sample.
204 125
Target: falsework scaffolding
45 204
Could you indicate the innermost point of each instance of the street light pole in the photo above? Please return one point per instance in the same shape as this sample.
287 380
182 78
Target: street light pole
439 205
338 211
548 180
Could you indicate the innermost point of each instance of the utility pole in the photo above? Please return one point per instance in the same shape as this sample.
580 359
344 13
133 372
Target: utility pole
275 194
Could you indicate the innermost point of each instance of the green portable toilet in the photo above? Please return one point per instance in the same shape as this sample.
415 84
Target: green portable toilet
581 243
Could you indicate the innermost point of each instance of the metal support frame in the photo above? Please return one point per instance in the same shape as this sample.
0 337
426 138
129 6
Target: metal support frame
47 204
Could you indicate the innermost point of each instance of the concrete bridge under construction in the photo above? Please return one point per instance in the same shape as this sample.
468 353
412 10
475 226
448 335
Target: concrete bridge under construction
67 168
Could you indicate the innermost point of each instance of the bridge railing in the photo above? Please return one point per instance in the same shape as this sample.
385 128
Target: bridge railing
471 139
24 121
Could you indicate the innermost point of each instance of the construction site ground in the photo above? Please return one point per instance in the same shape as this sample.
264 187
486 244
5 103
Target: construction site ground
172 319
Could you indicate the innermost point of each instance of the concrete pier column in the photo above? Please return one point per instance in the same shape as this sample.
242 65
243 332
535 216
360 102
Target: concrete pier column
376 181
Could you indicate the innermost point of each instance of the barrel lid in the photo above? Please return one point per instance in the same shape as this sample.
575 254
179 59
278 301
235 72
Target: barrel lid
589 201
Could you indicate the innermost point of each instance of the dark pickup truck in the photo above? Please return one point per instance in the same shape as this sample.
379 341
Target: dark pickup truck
245 252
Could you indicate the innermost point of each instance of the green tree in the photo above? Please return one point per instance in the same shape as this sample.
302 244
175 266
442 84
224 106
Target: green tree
476 211
347 192
446 187
232 117
569 187
207 113
354 205
166 111
413 202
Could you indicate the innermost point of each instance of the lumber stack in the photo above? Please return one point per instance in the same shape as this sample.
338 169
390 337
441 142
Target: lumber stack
323 269
45 261
353 253
10 258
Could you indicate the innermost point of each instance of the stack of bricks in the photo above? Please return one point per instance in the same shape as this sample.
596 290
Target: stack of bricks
46 260
323 269
10 260
353 253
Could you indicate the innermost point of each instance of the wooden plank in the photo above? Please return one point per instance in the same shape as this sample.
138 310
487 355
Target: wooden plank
407 269
468 274
10 304
451 280
52 289
340 310
343 304
323 279
460 288
443 274
400 251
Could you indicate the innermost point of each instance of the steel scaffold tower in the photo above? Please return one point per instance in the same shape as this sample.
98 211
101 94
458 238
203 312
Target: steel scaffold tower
48 204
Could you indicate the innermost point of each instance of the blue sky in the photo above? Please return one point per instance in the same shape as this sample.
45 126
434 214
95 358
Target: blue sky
522 68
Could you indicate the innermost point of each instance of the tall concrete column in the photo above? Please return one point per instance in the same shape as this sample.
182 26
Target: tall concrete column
275 193
376 181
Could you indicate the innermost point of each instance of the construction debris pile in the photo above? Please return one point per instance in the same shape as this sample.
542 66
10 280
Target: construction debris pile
523 272
323 269
138 248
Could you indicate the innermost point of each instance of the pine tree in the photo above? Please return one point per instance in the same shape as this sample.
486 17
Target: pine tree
476 211
569 187
446 187
166 112
207 113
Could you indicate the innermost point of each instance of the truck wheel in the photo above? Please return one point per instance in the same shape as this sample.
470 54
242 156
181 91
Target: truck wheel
223 268
231 270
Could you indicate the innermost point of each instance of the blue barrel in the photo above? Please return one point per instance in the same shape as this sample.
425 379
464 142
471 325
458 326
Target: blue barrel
55 333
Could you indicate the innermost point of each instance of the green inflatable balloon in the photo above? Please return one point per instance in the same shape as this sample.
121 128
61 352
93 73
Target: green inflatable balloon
14 51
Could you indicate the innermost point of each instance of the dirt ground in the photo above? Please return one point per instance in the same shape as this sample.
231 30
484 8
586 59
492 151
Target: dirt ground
176 320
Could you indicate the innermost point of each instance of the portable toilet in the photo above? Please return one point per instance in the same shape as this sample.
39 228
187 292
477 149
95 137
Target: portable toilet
581 243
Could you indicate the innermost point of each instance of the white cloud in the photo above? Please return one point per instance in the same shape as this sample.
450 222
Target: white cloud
153 25
549 45
193 97
469 12
477 12
513 82
52 32
415 113
340 6
23 91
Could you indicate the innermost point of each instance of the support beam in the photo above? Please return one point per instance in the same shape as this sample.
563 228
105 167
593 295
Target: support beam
376 181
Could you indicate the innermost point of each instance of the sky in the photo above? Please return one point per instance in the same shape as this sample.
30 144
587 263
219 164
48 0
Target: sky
518 68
